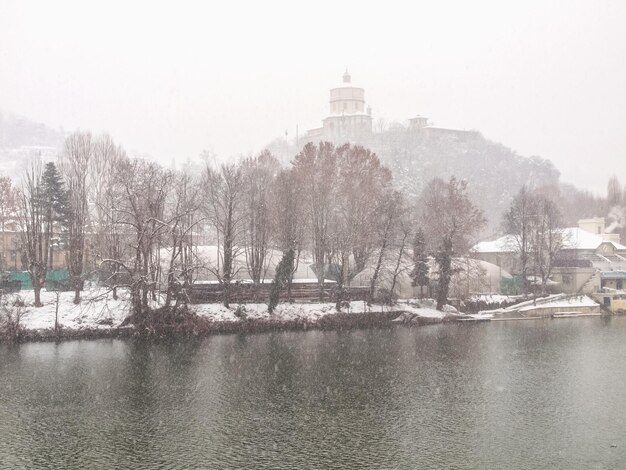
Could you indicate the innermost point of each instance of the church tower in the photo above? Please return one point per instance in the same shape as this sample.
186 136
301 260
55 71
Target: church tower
349 119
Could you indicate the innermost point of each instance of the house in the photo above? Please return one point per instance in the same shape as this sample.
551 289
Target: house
588 261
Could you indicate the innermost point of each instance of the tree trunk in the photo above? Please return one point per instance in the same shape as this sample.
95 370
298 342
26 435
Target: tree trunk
37 290
445 266
396 271
376 271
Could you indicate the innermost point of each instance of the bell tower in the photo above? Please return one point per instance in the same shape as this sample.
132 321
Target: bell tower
348 119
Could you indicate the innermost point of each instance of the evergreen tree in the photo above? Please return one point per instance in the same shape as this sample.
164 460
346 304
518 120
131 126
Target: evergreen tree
55 204
419 275
55 196
282 278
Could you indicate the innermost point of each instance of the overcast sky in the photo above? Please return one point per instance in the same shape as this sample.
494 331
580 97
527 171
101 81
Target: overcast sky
170 79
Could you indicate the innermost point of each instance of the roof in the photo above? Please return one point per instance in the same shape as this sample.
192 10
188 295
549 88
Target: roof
505 244
345 114
613 274
574 239
579 239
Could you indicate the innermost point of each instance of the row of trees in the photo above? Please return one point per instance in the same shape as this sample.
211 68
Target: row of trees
535 225
536 218
616 208
142 222
576 203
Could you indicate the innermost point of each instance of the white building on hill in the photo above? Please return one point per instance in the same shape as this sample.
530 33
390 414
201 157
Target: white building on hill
349 118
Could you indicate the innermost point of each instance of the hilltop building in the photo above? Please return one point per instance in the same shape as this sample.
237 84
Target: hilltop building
350 119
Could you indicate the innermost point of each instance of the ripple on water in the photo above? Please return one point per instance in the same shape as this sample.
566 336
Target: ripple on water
542 394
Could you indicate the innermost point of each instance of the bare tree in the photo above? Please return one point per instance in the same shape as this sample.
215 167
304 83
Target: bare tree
520 221
106 193
404 232
9 202
145 187
548 239
450 219
76 157
390 211
614 192
363 184
223 208
315 170
181 220
257 178
36 229
578 204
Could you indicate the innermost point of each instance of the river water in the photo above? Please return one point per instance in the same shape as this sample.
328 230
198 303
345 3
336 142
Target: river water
525 394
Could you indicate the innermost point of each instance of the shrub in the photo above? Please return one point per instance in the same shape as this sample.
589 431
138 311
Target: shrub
240 312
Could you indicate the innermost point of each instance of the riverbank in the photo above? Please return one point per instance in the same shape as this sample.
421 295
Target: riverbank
99 315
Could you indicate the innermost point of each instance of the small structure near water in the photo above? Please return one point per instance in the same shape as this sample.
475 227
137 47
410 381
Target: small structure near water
553 306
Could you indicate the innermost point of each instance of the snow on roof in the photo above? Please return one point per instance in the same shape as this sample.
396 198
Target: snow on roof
505 244
347 85
577 238
574 238
346 113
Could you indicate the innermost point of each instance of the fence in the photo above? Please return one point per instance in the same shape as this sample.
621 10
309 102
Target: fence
248 292
20 280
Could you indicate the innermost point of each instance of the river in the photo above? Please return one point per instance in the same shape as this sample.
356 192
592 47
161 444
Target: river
522 394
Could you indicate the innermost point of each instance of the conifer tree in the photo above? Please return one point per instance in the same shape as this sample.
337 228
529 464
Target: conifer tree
55 204
282 278
55 195
419 275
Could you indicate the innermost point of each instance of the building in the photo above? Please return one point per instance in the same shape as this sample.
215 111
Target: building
591 261
418 123
13 259
349 119
433 132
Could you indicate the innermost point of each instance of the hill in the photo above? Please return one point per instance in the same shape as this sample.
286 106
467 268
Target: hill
494 172
21 139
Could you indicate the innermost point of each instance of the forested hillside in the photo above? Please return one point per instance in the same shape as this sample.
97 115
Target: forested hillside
17 131
493 171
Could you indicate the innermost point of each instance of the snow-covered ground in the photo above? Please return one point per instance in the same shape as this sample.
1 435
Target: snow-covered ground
99 311
284 311
494 299
552 302
561 302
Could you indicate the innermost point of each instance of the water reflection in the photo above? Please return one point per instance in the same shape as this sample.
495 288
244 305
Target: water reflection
521 395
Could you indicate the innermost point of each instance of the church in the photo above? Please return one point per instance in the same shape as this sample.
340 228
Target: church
349 118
